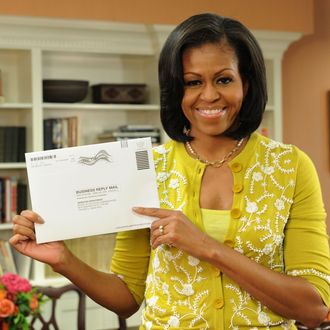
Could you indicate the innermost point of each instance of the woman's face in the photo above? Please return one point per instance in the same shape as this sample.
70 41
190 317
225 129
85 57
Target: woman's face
213 88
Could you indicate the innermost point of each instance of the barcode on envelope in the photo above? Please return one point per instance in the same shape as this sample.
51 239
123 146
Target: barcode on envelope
33 159
142 160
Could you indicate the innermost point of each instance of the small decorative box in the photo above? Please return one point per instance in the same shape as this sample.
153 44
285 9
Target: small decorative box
119 93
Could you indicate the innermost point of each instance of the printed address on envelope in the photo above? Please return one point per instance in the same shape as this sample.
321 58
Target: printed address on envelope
90 190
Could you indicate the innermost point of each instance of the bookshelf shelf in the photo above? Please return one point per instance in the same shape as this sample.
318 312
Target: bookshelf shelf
105 107
6 226
17 106
12 166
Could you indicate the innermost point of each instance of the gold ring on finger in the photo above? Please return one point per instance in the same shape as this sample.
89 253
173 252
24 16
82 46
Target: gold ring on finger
161 229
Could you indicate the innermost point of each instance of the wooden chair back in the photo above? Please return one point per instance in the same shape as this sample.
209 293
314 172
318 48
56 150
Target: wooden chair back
55 293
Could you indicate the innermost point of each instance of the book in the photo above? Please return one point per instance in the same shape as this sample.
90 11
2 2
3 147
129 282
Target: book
3 265
57 133
60 132
13 198
48 133
21 144
2 200
65 133
21 197
12 144
137 127
109 136
135 134
73 132
23 264
128 134
7 200
2 144
7 261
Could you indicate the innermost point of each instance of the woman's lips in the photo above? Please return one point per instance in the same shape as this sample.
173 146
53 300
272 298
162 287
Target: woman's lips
211 113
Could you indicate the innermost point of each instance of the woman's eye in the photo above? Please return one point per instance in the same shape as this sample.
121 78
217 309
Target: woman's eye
224 80
191 83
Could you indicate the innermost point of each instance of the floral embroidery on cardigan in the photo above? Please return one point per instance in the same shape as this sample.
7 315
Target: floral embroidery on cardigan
242 308
310 271
168 179
271 207
166 260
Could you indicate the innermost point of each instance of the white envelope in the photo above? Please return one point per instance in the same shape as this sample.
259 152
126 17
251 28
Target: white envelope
90 190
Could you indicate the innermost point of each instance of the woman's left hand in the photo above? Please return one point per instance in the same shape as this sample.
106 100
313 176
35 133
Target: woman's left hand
172 227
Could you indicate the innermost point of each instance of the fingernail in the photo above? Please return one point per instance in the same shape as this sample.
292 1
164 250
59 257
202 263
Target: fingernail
136 209
40 219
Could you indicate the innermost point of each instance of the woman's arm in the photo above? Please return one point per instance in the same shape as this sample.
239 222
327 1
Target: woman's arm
288 296
107 290
291 297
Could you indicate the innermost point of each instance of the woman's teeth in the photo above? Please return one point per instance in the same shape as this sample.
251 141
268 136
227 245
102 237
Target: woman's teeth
211 111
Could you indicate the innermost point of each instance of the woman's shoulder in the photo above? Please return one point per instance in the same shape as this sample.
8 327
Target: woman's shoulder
275 147
159 148
266 147
167 148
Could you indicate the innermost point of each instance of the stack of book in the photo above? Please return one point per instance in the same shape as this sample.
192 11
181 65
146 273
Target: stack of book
13 198
131 132
60 132
7 262
12 261
12 144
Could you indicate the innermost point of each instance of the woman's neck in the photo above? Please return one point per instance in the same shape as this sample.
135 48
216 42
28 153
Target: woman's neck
214 147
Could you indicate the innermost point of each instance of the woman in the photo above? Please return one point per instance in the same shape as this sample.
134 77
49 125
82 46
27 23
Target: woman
240 240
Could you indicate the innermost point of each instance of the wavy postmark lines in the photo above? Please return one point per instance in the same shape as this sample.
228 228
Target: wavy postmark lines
102 155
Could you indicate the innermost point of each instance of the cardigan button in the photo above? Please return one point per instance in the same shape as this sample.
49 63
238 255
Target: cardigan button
218 303
238 187
235 213
229 243
236 167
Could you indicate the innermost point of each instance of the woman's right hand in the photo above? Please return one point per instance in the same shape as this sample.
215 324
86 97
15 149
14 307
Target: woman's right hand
24 240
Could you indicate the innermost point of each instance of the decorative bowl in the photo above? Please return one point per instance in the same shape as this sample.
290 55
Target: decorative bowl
64 91
119 93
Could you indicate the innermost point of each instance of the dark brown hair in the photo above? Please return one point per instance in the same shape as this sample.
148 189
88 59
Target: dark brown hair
194 32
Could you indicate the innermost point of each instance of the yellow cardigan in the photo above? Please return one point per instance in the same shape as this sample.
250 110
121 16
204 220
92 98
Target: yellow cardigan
277 219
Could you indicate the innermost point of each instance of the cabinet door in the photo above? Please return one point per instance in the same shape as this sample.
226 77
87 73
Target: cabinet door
15 66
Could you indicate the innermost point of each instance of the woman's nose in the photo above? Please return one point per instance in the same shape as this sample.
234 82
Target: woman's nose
210 93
